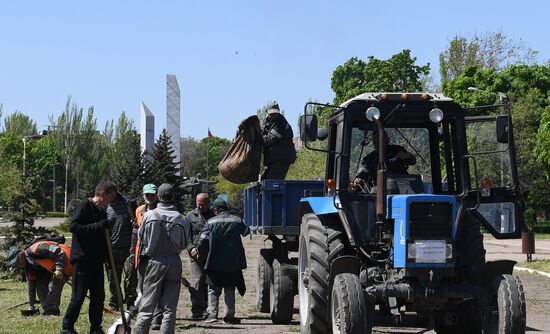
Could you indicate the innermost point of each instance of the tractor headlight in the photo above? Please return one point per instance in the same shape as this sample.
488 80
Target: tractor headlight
436 115
373 113
429 251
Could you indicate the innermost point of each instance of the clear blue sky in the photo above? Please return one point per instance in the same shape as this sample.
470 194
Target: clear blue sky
230 57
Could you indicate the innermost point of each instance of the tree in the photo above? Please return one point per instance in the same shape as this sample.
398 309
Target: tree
490 51
190 164
11 148
20 124
211 151
528 90
309 165
163 168
397 73
542 143
125 157
127 170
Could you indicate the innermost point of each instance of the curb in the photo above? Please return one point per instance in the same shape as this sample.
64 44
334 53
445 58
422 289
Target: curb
533 271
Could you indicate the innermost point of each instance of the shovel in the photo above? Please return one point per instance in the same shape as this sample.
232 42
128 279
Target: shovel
123 328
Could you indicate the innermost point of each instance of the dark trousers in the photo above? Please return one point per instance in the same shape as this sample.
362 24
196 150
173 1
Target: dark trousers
49 293
198 290
87 276
120 255
130 280
276 170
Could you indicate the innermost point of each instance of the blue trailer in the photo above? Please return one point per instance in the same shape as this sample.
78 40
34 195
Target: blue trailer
272 208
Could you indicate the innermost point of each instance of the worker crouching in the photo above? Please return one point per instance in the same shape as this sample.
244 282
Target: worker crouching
46 265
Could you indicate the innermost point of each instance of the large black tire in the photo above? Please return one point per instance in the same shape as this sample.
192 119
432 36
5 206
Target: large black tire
319 246
263 280
470 251
281 294
470 265
351 311
506 314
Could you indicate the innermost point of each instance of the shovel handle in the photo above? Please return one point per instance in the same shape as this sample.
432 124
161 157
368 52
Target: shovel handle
115 279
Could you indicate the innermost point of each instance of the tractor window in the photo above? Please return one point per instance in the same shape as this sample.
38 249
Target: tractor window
500 215
490 164
414 140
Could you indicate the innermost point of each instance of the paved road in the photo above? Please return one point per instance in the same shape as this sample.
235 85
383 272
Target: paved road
41 222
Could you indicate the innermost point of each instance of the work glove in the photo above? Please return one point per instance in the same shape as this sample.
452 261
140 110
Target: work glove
58 273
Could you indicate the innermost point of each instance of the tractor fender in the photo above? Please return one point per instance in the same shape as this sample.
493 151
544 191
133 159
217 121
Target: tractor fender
495 268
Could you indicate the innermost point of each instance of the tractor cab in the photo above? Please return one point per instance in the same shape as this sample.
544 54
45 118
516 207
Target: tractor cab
469 158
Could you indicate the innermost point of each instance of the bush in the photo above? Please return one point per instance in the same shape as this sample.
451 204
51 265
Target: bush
51 214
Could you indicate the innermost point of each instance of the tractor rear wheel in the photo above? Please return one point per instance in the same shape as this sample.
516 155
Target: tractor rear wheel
319 246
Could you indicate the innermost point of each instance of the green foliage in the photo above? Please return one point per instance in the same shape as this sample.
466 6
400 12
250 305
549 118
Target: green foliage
126 166
20 124
20 209
163 168
11 183
11 148
309 165
527 87
542 142
56 214
210 152
490 51
397 73
190 164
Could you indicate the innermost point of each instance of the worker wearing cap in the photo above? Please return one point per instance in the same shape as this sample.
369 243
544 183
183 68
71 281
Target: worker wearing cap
276 138
46 265
163 234
221 240
130 265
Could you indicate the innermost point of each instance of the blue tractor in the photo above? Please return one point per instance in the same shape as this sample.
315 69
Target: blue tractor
400 242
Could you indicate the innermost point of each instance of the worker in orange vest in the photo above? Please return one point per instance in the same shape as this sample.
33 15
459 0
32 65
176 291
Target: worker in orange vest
46 264
130 266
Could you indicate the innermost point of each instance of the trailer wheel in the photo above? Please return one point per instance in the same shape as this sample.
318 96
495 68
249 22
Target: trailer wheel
351 311
319 246
263 280
281 294
506 314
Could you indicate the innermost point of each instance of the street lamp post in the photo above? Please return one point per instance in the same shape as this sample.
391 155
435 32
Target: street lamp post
25 150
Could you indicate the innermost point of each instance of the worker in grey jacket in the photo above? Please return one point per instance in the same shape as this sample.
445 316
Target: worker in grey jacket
198 290
163 234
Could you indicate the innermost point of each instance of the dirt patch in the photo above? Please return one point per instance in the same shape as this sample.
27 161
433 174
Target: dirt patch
536 291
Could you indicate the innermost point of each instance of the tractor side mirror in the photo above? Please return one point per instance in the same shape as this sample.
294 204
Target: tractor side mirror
502 129
322 134
308 128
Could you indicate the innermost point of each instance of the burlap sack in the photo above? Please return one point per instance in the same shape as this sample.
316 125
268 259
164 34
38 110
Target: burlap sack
241 163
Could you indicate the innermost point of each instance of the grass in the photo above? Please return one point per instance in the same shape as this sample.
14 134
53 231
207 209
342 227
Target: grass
541 236
542 265
13 292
